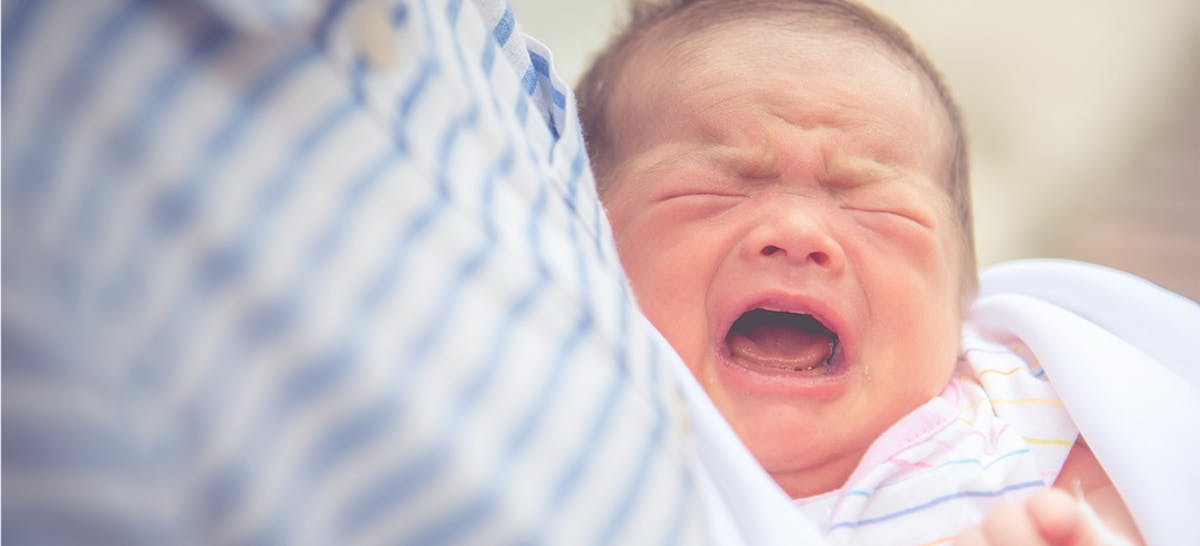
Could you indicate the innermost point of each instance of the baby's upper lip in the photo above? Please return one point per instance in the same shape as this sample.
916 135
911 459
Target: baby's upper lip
786 301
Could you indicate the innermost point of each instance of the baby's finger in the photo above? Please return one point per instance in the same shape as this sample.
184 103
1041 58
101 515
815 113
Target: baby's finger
1059 518
1011 523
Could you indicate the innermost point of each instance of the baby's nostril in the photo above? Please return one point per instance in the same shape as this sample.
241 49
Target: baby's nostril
771 250
819 258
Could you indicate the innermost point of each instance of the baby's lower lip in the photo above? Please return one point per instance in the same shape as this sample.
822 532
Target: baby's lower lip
820 358
816 382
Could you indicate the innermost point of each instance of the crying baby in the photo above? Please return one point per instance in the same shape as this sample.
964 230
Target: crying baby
787 185
782 206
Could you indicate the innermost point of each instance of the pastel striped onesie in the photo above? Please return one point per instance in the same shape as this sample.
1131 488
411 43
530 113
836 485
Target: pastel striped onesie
995 434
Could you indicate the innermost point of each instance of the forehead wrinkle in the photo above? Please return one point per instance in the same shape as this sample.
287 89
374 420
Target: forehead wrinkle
750 150
684 56
873 142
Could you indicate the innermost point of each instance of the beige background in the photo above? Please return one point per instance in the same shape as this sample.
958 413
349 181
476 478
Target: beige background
1084 119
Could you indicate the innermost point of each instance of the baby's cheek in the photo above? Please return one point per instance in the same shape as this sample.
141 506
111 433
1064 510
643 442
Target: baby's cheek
900 246
669 285
650 272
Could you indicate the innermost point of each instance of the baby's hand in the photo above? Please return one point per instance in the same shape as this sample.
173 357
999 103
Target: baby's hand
1051 517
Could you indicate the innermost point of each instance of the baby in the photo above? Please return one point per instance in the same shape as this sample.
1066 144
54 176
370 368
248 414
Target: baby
787 182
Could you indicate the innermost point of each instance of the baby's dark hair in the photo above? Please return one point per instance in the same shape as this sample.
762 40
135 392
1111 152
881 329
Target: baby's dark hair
689 16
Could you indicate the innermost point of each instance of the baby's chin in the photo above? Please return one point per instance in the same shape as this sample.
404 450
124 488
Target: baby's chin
808 469
806 450
812 446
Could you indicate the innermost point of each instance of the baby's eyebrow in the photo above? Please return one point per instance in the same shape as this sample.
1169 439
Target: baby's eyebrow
753 162
758 162
724 159
848 170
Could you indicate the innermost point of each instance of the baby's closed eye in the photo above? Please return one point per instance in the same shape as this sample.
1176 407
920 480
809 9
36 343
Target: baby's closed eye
698 203
890 203
902 215
699 193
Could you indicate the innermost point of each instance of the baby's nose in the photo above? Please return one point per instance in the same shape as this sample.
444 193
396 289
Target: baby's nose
816 256
796 236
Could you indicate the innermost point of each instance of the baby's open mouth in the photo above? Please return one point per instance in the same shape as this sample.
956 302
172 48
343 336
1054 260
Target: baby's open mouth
782 342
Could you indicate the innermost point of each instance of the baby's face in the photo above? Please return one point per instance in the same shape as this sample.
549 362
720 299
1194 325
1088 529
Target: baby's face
777 203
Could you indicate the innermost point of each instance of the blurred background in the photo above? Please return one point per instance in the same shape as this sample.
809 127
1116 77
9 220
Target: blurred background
1083 119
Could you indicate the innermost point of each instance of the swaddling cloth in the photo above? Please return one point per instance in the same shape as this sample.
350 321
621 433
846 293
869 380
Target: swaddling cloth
1122 354
997 433
1123 357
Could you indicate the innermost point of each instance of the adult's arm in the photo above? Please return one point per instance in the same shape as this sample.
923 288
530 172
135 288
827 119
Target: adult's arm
316 272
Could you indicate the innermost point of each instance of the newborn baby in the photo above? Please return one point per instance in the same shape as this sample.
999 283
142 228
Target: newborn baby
787 184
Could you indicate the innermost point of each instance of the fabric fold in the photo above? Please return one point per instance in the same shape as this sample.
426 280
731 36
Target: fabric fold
1121 353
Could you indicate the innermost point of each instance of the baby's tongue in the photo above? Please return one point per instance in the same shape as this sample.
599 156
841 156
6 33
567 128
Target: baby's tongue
781 341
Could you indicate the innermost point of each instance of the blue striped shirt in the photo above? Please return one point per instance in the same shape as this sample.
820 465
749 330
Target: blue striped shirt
317 272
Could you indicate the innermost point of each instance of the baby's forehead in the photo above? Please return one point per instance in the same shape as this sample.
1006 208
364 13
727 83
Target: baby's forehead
674 55
686 31
688 43
681 53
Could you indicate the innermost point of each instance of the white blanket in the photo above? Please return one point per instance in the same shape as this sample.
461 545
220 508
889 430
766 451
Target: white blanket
1122 354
